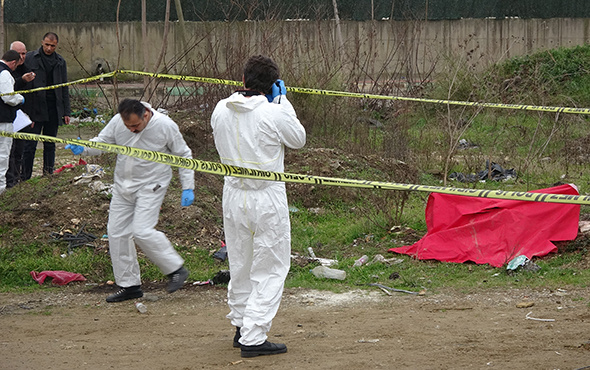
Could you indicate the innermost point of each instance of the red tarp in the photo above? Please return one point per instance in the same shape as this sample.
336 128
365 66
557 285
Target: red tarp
493 231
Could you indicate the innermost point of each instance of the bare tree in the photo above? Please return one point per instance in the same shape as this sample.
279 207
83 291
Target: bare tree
338 30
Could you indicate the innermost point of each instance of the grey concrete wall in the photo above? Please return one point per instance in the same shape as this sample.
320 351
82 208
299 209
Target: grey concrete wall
383 49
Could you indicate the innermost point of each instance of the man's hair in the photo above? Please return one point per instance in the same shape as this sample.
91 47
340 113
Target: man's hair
10 56
15 42
127 107
260 73
51 36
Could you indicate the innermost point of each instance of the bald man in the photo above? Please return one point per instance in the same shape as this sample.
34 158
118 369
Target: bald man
22 77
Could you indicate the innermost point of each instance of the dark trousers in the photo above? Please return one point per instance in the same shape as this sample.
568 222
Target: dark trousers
48 128
15 163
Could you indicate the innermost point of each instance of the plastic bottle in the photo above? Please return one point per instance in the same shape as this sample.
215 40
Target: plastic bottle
326 272
141 307
361 261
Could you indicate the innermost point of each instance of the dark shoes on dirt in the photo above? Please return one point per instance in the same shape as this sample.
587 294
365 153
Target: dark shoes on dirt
237 338
177 279
124 294
266 348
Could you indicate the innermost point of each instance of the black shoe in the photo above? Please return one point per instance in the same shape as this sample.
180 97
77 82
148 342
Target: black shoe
177 279
266 348
237 338
124 294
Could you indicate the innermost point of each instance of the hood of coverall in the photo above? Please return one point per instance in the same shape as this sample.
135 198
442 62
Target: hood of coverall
242 104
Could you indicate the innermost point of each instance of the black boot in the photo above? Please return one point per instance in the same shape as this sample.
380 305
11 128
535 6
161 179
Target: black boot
237 338
124 294
266 348
177 279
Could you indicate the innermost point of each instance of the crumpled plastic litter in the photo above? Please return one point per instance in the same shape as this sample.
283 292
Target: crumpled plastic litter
222 277
221 254
497 174
93 172
59 277
524 263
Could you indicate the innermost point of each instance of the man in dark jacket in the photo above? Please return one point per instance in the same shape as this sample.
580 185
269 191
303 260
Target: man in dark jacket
21 78
48 109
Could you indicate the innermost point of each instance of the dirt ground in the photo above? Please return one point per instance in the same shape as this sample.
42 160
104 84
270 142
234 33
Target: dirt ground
73 327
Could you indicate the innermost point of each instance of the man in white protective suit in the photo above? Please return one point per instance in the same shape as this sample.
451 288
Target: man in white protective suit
251 129
8 63
138 192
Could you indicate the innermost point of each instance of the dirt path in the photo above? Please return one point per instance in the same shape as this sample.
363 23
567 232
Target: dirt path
73 328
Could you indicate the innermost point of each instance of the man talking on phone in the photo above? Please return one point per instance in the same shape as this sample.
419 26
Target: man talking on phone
251 129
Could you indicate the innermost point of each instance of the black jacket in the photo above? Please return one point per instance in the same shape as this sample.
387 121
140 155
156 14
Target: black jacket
7 112
19 83
36 103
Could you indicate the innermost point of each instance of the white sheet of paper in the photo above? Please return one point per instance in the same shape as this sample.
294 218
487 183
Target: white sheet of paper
21 121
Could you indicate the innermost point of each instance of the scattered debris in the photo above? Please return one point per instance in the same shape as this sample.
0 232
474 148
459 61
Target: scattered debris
221 254
525 304
585 227
303 261
70 165
80 239
222 277
394 275
93 172
536 319
388 261
422 292
524 263
464 144
326 272
368 340
99 186
59 277
200 283
361 261
493 172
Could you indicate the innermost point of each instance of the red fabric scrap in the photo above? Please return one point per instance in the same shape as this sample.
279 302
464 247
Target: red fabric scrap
493 231
59 277
70 165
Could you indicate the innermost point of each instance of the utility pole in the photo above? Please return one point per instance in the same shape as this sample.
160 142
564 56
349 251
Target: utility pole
2 25
181 30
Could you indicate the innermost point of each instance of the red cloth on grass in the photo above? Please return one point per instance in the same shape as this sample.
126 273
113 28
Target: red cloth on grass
70 165
59 277
493 231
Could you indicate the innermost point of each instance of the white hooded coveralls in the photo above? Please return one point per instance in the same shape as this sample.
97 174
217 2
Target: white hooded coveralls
138 192
251 132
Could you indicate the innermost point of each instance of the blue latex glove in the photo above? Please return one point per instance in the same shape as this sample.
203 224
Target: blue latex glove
188 196
76 149
278 88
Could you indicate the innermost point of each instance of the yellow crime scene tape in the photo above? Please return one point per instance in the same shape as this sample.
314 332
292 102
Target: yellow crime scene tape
248 173
305 90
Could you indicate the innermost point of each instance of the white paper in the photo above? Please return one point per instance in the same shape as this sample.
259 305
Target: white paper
21 121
